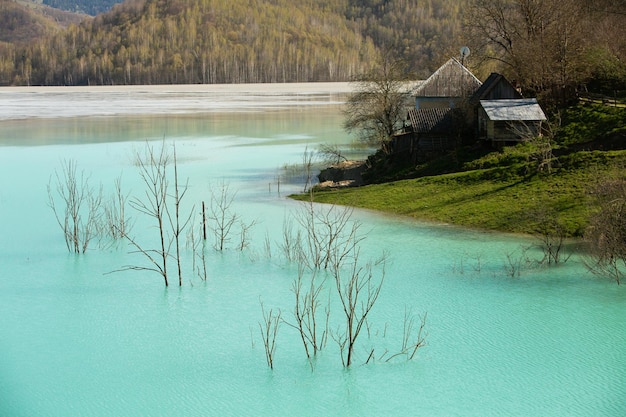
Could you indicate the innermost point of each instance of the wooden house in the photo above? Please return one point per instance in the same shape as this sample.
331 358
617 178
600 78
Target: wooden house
446 88
509 120
437 119
452 103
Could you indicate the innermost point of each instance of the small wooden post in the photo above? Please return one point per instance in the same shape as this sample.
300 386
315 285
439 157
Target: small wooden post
203 222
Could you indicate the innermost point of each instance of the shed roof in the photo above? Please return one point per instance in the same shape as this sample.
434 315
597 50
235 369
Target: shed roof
452 79
435 120
513 109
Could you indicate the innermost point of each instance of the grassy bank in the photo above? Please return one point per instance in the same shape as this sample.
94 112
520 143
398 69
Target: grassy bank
503 190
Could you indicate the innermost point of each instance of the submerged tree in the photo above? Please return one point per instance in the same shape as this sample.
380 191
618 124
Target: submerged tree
156 205
606 234
152 169
269 330
311 325
76 206
329 235
177 224
358 289
327 250
551 233
116 222
222 217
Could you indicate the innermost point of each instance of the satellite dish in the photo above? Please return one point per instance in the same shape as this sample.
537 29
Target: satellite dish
465 52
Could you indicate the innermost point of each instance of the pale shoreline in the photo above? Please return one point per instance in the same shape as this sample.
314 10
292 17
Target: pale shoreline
54 102
262 88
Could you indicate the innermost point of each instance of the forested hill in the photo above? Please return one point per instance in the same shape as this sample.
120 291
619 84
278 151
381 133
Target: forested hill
22 22
236 41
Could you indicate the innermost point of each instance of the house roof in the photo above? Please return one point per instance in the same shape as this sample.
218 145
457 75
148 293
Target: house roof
452 79
435 120
513 109
495 87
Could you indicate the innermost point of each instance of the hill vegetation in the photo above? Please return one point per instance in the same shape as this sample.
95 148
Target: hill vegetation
22 22
236 41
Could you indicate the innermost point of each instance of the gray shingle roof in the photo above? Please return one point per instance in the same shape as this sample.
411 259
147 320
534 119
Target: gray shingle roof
435 120
452 79
513 109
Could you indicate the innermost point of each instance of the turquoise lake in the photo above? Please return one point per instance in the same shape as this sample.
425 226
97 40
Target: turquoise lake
80 335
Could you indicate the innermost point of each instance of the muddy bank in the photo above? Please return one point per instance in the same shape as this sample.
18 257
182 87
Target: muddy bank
343 174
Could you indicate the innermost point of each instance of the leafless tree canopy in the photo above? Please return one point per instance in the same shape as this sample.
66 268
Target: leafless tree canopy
162 205
606 235
549 46
269 330
377 107
76 206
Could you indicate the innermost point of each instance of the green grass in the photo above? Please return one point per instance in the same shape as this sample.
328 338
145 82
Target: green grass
469 200
583 123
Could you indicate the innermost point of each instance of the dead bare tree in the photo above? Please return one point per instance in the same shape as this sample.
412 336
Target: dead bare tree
606 234
222 218
329 234
327 246
313 328
377 107
307 164
551 234
291 245
331 153
412 339
117 224
358 289
269 331
267 246
540 139
155 205
152 166
244 234
197 244
79 215
177 224
519 260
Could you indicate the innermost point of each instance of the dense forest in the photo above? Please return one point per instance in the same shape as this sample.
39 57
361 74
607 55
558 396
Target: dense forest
236 41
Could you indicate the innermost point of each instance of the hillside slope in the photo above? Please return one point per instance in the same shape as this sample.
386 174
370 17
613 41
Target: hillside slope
22 22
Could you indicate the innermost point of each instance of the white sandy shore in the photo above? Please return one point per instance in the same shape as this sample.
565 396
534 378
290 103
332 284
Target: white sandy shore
268 88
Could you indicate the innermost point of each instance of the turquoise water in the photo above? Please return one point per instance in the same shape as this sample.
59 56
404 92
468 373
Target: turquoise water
78 340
